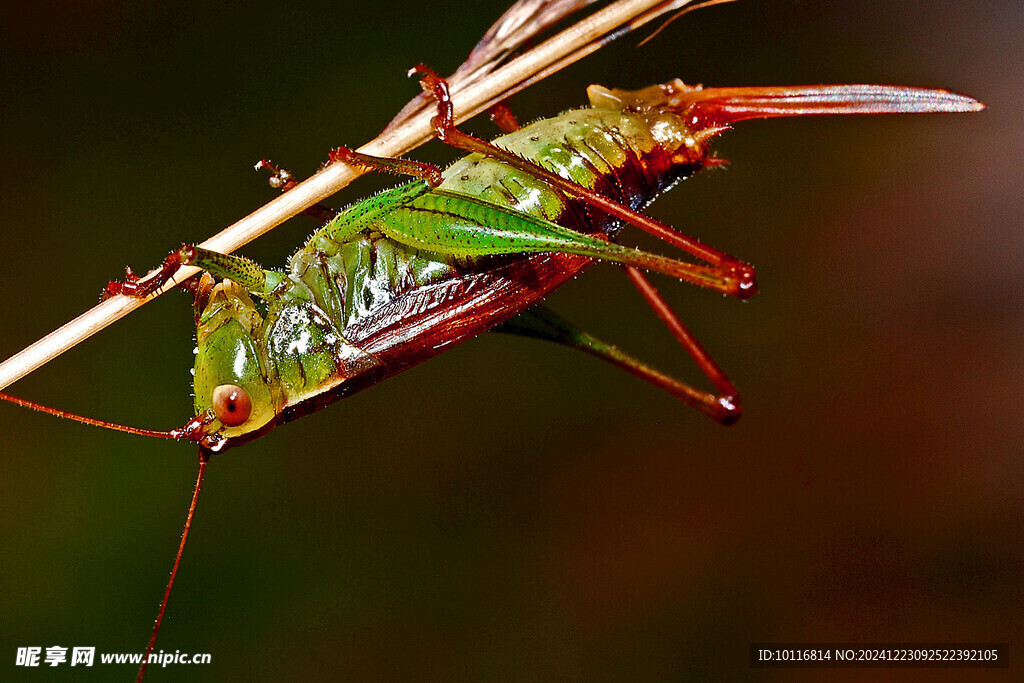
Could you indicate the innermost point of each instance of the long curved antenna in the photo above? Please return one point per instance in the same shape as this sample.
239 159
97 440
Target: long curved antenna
204 459
177 433
685 10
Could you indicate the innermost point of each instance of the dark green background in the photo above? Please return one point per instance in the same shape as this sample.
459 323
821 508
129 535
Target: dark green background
510 511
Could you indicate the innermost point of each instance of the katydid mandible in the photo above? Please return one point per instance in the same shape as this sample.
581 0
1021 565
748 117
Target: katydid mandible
397 278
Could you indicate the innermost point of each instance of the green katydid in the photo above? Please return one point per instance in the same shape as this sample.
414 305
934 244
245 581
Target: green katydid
395 279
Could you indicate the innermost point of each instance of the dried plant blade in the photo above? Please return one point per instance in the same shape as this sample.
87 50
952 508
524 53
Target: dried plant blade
596 42
520 24
561 50
591 38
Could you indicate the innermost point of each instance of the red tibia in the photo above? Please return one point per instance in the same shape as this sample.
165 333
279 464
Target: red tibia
428 172
737 278
140 288
724 106
725 407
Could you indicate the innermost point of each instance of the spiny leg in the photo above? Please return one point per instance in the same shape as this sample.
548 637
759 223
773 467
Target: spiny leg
726 404
423 217
137 287
242 271
540 322
140 288
246 273
737 277
463 226
239 269
283 180
396 166
460 226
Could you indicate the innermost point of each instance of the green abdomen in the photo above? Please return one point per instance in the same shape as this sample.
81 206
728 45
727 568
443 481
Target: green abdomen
608 151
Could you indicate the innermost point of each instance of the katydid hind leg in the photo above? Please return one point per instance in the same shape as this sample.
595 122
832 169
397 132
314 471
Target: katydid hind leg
727 273
540 322
463 226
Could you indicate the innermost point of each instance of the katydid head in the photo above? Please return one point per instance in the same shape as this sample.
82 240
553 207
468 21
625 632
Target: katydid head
232 390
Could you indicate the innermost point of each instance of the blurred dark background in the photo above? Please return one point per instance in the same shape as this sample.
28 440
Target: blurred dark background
512 511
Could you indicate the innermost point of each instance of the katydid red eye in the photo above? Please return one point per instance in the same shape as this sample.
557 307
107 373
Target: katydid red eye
231 404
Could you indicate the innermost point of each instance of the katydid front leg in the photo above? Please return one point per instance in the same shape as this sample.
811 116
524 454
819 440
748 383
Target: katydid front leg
220 264
246 273
140 288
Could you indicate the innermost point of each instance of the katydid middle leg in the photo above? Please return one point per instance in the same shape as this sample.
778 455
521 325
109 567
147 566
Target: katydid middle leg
725 406
540 322
282 179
